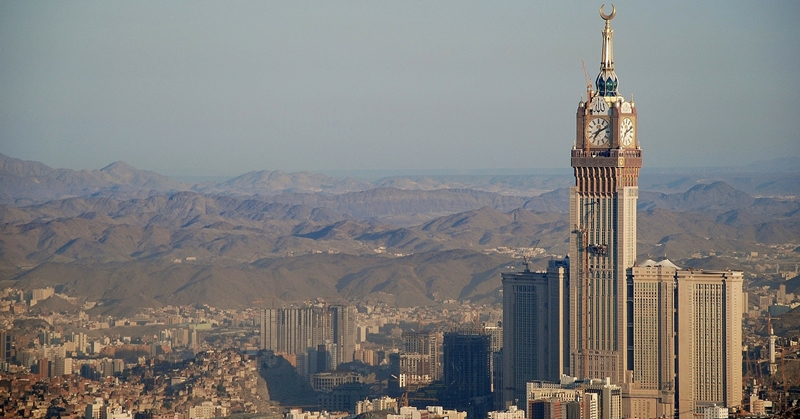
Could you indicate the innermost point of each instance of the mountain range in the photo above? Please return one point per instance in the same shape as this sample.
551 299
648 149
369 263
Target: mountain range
128 238
28 182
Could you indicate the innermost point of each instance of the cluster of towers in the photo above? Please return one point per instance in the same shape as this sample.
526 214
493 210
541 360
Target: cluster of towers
648 339
670 338
329 330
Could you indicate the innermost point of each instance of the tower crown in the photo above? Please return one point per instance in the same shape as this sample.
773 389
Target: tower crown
607 82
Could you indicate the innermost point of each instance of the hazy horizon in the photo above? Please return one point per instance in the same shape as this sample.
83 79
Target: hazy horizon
214 90
776 165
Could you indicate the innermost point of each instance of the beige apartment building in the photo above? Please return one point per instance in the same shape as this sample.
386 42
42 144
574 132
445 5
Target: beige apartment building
685 319
709 335
650 388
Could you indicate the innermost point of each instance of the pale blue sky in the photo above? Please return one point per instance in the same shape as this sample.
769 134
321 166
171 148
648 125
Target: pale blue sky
221 88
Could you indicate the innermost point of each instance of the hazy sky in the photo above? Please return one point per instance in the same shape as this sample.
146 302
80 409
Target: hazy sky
221 88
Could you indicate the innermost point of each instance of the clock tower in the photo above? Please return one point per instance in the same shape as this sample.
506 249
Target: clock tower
606 159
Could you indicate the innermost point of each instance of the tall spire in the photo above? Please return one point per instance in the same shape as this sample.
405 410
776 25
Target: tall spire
607 81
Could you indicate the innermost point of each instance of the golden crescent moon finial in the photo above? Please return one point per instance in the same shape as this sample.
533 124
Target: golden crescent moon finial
605 16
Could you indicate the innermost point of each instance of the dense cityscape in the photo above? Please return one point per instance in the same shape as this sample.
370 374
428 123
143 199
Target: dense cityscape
199 361
598 333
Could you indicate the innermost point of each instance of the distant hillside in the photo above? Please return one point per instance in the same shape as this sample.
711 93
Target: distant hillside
386 202
232 248
775 177
27 182
788 324
276 182
134 238
188 224
241 229
412 280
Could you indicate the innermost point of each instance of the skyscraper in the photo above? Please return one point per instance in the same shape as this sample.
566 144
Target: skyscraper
534 339
343 324
425 343
295 330
606 159
269 329
466 375
651 390
303 330
685 340
709 340
6 341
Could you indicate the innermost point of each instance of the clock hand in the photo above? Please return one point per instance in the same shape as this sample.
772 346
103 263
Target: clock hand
598 132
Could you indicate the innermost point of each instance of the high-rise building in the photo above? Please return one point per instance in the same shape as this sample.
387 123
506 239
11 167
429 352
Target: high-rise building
324 358
269 329
651 388
552 408
685 340
495 332
579 399
668 338
497 382
598 399
6 342
427 343
295 330
303 330
709 340
418 363
93 409
62 366
466 375
534 339
43 367
343 324
606 159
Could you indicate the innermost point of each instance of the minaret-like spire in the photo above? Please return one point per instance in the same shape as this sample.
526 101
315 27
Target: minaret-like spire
607 81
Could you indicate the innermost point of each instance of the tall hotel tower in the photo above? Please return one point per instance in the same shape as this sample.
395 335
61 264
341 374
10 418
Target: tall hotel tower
606 159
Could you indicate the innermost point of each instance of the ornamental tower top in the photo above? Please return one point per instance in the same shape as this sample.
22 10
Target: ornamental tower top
607 82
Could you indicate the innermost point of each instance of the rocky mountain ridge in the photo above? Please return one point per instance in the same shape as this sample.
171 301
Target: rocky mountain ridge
161 243
29 182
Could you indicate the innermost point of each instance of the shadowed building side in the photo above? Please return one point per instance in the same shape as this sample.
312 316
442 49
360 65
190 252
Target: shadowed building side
534 328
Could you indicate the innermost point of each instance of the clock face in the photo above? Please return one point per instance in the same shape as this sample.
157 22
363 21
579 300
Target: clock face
598 132
626 131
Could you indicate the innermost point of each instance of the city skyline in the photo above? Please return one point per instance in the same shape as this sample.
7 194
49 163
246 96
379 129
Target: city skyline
214 90
631 338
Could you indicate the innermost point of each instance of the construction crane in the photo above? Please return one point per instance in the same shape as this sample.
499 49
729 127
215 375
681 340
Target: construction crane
588 83
526 259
